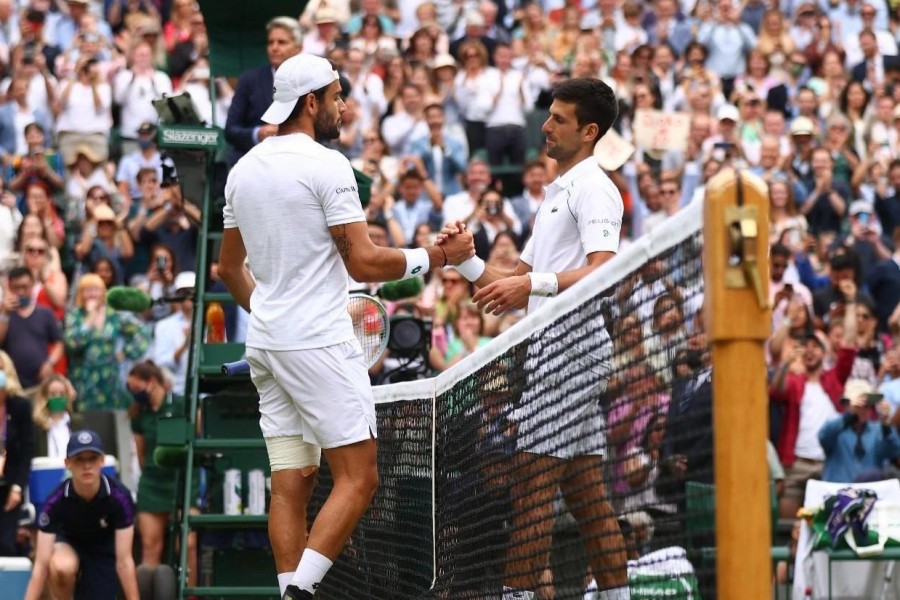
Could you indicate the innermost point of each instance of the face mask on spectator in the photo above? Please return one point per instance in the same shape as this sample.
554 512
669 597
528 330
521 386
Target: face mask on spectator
144 144
57 404
2 380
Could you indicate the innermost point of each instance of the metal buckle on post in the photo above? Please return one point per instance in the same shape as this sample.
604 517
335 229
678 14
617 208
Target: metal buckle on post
743 267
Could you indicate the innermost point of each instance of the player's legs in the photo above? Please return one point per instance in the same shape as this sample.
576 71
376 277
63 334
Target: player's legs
64 567
585 496
355 475
536 481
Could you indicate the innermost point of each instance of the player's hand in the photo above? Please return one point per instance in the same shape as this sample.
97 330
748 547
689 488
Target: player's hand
503 295
460 247
449 230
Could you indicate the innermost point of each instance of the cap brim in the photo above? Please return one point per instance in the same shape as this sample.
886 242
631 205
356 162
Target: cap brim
85 449
278 112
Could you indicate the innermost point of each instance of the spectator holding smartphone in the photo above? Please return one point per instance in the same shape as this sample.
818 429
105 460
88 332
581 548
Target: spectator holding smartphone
861 438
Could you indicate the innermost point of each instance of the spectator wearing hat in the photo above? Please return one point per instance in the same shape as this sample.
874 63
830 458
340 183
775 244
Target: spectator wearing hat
725 139
253 95
861 438
99 339
86 531
84 112
134 89
866 237
86 171
340 7
105 236
325 35
810 398
145 156
172 335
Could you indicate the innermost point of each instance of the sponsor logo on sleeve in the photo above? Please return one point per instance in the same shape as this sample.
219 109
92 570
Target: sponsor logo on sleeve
344 190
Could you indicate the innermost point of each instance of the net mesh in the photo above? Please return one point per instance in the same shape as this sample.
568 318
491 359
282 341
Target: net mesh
574 450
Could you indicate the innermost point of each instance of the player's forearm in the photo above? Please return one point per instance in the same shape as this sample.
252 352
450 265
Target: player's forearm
493 273
38 581
240 284
389 264
128 577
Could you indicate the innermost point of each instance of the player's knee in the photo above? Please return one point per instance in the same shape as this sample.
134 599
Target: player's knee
64 567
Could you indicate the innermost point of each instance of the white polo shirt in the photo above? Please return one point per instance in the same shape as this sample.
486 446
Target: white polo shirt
581 213
284 195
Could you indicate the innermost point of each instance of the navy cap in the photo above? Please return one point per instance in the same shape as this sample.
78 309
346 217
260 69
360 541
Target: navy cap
84 440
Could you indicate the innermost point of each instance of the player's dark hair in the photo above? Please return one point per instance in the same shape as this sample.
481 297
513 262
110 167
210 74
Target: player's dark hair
594 101
301 102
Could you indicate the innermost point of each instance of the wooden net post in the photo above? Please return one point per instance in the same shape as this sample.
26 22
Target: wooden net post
738 323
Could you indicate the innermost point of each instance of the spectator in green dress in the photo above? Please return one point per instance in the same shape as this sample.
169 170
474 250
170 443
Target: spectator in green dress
98 339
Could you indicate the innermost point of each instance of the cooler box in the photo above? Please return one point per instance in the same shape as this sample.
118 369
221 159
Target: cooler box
14 576
47 473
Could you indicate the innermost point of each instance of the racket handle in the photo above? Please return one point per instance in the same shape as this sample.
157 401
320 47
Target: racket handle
236 368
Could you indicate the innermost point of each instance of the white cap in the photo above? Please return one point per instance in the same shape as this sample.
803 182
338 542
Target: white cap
296 77
860 206
729 112
186 280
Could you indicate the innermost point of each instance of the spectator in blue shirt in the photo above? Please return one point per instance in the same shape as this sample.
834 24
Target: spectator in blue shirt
861 438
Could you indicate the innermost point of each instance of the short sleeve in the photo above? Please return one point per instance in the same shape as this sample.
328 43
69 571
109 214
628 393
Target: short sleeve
338 192
527 254
228 219
599 210
49 518
123 516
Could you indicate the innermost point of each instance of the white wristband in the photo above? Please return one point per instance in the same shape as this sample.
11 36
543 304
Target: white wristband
471 269
544 284
417 262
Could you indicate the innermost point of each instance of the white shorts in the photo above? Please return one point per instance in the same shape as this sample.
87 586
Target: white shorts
322 394
559 413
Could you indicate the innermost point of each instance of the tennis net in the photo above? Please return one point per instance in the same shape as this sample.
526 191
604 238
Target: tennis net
490 474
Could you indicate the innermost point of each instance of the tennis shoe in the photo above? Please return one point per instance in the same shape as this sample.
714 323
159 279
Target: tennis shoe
591 592
517 595
294 593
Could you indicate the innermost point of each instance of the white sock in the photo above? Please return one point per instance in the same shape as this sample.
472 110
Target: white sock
622 593
516 594
284 580
311 570
590 592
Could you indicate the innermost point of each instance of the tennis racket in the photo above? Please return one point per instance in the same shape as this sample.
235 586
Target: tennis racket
371 326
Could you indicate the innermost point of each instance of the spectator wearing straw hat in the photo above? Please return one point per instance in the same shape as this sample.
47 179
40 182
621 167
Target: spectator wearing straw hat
326 34
862 438
104 236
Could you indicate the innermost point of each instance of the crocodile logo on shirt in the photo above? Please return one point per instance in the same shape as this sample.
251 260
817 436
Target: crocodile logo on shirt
554 209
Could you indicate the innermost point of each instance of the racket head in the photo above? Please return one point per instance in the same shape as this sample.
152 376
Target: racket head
371 326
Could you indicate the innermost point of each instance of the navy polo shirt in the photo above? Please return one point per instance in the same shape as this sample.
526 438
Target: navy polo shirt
88 526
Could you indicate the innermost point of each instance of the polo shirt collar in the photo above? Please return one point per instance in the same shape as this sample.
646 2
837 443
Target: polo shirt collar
565 180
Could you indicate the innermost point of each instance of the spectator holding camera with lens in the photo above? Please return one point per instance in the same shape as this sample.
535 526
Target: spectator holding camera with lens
174 222
861 438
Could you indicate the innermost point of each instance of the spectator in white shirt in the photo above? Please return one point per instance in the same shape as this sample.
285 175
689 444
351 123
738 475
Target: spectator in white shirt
172 335
401 128
365 87
135 89
146 156
84 112
469 91
510 98
325 35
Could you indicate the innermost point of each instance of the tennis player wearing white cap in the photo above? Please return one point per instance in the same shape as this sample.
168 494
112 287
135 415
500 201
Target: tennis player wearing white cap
293 209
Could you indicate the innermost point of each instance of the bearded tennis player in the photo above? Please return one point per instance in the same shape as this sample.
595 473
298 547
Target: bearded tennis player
293 210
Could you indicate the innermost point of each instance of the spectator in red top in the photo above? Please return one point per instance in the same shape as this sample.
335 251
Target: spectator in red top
811 397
